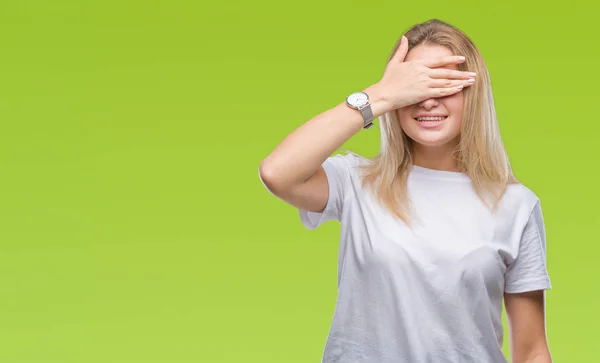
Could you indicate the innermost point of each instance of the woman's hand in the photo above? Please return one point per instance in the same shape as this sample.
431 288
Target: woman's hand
406 83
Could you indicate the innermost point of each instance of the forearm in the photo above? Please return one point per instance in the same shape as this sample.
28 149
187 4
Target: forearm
303 151
544 357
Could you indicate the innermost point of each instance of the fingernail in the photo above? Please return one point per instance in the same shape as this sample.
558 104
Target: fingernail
472 80
461 57
472 74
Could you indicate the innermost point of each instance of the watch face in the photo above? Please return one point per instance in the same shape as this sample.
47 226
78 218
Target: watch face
358 99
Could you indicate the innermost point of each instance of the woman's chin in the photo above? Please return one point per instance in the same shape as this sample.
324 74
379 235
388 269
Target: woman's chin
442 135
430 140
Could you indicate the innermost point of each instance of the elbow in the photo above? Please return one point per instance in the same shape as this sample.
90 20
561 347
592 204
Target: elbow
270 178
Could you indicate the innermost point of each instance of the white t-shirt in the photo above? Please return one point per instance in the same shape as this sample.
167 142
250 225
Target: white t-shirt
433 293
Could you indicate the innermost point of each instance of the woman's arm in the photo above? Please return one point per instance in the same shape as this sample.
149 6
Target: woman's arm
527 327
293 171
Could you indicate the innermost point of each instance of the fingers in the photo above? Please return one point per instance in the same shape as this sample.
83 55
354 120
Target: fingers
443 61
444 92
402 50
451 83
441 73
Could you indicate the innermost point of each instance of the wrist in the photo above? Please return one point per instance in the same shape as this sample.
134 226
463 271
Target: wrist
378 100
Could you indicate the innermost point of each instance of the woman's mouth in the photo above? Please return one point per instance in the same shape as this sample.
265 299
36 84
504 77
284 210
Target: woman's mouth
430 121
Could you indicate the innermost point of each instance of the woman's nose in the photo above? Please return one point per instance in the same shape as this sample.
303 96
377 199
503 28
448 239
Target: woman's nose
429 103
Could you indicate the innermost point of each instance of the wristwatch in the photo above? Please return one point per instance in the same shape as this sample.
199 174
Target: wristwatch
360 101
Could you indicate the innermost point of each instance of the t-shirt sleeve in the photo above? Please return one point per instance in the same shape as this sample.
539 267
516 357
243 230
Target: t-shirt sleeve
528 272
337 170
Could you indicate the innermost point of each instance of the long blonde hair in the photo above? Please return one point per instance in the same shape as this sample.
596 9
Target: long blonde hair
480 153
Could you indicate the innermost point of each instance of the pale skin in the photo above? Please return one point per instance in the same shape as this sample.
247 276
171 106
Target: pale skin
432 147
424 80
527 328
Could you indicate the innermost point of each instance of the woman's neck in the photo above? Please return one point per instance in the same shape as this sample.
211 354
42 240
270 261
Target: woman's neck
438 158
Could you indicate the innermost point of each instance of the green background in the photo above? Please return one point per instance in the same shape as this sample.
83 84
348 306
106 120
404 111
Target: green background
133 225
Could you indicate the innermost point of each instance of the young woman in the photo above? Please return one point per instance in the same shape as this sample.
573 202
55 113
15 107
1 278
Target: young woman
436 232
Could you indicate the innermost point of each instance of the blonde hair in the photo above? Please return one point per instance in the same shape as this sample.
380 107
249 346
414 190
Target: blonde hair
480 153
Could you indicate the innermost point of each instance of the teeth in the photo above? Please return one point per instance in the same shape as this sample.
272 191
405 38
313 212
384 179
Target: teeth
431 118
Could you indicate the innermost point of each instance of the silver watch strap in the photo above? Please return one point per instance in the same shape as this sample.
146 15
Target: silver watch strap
367 113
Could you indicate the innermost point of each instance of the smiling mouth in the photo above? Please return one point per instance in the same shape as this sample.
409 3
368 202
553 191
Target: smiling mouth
431 119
